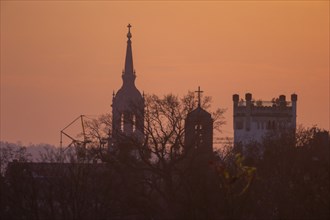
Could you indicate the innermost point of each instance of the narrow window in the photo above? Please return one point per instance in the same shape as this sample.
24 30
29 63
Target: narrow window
122 122
198 127
134 123
239 125
198 135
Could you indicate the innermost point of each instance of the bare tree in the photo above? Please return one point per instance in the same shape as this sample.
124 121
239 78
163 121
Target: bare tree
166 160
10 152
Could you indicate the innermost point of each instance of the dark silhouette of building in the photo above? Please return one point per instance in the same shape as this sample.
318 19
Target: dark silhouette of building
194 185
127 105
199 130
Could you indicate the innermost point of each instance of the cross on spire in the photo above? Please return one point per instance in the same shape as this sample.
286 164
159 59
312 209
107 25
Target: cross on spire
129 72
199 95
129 35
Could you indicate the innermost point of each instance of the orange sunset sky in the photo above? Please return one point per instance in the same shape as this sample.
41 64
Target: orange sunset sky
63 59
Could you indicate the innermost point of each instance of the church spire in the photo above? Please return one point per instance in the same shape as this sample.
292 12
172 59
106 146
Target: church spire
128 106
129 70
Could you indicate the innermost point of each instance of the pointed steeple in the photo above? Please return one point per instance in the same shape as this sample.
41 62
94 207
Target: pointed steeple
129 73
127 105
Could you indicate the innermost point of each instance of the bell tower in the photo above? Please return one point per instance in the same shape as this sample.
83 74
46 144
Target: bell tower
128 104
199 131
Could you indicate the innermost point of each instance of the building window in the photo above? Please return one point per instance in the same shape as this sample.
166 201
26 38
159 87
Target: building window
134 122
198 127
198 135
239 125
122 122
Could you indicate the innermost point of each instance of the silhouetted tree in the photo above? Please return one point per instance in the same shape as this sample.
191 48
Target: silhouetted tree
10 152
292 177
161 180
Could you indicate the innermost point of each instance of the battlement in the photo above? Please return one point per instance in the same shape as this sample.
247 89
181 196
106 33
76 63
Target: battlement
255 118
276 107
275 103
263 104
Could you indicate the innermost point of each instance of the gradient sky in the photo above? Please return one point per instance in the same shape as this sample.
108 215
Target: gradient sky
63 59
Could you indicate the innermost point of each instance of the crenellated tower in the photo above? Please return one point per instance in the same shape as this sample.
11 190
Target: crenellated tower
254 120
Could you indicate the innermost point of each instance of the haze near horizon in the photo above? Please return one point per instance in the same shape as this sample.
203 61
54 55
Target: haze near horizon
63 59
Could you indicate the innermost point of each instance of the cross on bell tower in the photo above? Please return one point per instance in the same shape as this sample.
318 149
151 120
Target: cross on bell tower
199 95
199 129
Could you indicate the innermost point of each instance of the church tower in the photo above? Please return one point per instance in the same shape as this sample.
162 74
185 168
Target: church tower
199 131
198 151
128 104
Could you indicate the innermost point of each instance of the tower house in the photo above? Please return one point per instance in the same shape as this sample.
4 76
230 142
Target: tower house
253 120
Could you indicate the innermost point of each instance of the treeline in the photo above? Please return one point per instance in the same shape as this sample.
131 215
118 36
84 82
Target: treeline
292 180
287 182
22 153
285 177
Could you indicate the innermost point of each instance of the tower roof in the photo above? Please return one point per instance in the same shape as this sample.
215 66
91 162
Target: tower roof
199 112
129 70
128 95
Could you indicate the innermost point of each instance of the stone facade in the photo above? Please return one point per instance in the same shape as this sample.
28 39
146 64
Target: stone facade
255 119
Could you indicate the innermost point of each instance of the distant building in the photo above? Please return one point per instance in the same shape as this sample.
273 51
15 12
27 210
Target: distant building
255 119
198 151
127 105
199 132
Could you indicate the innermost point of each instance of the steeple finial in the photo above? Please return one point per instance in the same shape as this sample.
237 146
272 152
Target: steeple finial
129 73
129 35
199 95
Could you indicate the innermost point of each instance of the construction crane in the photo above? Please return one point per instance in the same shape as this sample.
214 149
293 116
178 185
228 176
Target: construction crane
80 145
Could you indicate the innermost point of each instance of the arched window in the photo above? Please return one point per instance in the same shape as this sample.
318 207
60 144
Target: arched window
134 122
198 135
122 122
198 128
